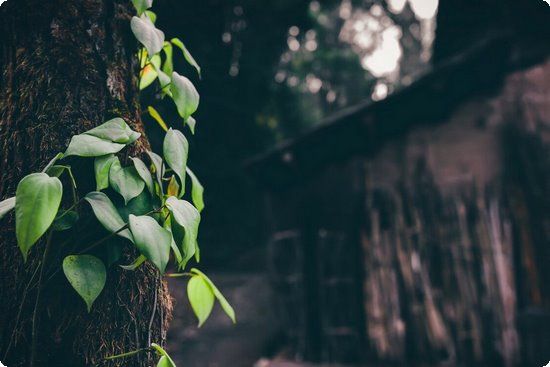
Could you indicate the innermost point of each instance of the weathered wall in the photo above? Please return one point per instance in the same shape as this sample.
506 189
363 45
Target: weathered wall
449 231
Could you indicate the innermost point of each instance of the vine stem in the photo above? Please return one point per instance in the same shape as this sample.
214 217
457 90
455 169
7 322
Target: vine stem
18 317
34 333
127 354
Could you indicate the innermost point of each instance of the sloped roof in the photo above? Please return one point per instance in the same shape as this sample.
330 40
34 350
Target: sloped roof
363 129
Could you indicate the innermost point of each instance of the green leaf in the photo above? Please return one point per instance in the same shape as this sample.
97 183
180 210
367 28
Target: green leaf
142 5
140 205
158 165
6 206
126 181
65 221
186 54
175 149
187 217
191 122
164 362
87 275
197 191
163 353
158 118
144 173
84 145
219 296
57 157
115 130
38 197
102 165
107 214
136 264
184 94
147 34
152 240
168 66
201 298
149 71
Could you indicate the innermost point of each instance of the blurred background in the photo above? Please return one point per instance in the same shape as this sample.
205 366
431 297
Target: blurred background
376 178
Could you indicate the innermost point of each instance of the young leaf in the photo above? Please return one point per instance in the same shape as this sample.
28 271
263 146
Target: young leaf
115 130
175 149
142 5
144 173
197 191
149 71
38 197
158 118
102 165
151 239
87 275
126 181
219 296
136 264
173 187
164 362
201 297
187 218
184 94
168 66
163 353
158 166
191 122
65 221
186 54
84 145
107 214
147 34
6 206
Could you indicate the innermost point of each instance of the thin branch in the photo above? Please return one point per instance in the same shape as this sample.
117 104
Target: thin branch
34 333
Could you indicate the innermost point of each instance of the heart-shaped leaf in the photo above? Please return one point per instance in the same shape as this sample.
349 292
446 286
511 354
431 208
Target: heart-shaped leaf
107 214
38 197
6 206
87 275
84 145
201 297
126 181
186 54
144 173
115 130
102 165
219 296
147 34
184 94
142 5
197 191
175 149
185 218
151 239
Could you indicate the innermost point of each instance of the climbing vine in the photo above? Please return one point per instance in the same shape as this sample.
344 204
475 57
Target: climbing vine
155 217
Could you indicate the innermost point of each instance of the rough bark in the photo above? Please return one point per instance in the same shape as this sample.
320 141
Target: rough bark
67 66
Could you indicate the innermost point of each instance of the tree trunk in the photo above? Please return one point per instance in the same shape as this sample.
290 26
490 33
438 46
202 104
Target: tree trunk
67 66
